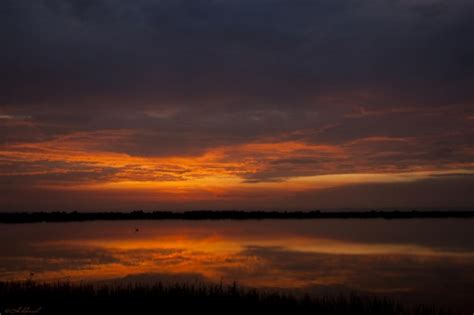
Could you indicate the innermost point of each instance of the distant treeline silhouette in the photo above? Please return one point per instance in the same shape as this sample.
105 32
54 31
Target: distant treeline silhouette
30 217
66 298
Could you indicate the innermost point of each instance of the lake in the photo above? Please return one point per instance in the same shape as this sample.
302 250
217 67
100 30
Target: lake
418 260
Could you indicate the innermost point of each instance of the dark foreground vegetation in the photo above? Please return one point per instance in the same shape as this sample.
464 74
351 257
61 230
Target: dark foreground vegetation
66 298
30 217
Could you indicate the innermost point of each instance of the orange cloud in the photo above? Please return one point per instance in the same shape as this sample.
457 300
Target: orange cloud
85 161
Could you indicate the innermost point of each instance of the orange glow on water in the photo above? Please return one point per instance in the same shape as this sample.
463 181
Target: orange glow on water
258 253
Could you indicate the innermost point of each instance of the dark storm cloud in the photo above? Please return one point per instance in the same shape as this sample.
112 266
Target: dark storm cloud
241 68
67 52
71 52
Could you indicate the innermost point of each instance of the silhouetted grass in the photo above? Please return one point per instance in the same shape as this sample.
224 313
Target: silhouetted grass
67 298
30 217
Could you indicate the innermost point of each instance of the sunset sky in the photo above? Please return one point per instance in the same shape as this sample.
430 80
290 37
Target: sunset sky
236 104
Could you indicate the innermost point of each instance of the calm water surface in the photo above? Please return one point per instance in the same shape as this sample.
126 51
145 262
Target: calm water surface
415 260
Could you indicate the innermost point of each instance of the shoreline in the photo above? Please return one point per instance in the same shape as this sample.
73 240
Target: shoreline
37 217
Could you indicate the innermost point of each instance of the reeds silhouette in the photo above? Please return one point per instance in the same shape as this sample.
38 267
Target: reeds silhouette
67 298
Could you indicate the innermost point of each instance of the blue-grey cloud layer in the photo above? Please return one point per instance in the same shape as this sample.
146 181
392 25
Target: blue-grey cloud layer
266 51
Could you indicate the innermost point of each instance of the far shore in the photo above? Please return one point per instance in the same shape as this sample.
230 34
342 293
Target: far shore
34 217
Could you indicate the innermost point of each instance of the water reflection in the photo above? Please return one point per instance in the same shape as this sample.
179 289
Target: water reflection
413 259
